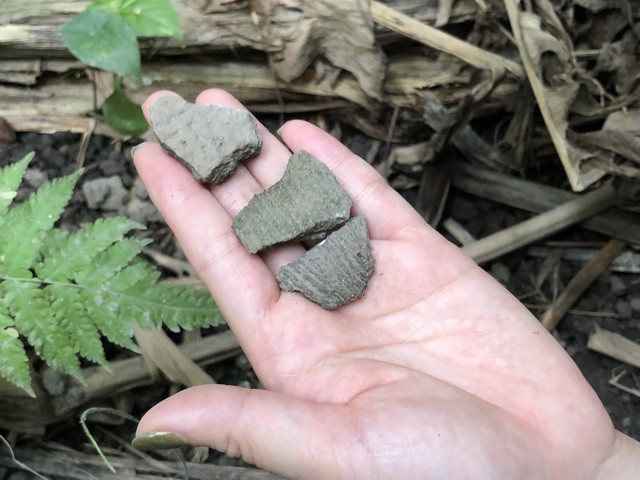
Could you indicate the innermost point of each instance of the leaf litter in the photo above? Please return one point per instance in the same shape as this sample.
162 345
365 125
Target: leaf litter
538 99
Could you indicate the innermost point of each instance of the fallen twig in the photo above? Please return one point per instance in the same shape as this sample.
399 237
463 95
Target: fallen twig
159 351
434 38
541 226
615 381
615 346
81 466
627 262
536 197
578 284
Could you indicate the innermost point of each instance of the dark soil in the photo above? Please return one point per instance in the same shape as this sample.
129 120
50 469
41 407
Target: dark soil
609 302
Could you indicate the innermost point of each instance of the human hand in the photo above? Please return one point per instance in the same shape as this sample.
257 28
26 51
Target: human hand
437 372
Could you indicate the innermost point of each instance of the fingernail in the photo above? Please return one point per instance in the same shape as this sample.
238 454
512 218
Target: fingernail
158 441
134 148
279 131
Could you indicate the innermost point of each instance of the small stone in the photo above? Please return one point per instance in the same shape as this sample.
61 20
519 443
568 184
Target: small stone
7 133
142 211
210 140
463 210
634 302
139 190
305 203
35 177
623 308
616 284
336 271
106 193
501 273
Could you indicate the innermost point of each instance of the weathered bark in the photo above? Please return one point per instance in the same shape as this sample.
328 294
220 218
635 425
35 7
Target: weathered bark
32 27
54 98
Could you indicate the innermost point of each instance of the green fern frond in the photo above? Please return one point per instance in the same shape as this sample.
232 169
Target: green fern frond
110 261
21 239
14 363
69 312
10 178
104 309
174 305
29 305
67 255
63 292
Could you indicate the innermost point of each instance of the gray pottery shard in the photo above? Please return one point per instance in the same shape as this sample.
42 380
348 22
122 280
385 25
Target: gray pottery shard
210 140
336 271
306 202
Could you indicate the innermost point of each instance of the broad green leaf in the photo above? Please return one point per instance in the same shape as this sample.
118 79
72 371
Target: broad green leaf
102 39
124 115
148 18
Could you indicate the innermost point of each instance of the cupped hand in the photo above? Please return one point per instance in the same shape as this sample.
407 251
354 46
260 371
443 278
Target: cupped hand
436 373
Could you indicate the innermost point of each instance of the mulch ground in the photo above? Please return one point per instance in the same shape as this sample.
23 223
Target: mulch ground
609 303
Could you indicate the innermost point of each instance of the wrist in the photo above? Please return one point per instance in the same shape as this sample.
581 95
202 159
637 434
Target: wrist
624 461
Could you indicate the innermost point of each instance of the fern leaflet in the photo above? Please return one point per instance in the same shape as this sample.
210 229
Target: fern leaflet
67 254
61 292
30 307
10 178
14 363
21 239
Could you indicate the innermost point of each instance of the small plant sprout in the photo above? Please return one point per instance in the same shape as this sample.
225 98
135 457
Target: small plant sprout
105 36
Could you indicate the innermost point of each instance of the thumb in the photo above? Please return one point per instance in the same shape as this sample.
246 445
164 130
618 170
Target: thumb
279 433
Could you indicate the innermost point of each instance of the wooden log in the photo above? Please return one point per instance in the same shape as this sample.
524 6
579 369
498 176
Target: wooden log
64 98
263 52
22 413
31 28
61 462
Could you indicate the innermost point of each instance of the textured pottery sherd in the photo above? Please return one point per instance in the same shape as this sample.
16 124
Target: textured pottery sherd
336 271
306 202
210 140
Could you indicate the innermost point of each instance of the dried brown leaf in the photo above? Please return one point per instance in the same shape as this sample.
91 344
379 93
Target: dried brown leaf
621 59
548 66
160 352
339 30
620 134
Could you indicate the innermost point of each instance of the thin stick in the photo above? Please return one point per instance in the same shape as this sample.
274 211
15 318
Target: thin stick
458 232
540 226
83 422
578 284
537 198
615 346
434 38
615 381
17 463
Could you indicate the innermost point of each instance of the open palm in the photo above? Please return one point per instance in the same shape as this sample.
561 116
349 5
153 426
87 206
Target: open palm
436 373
